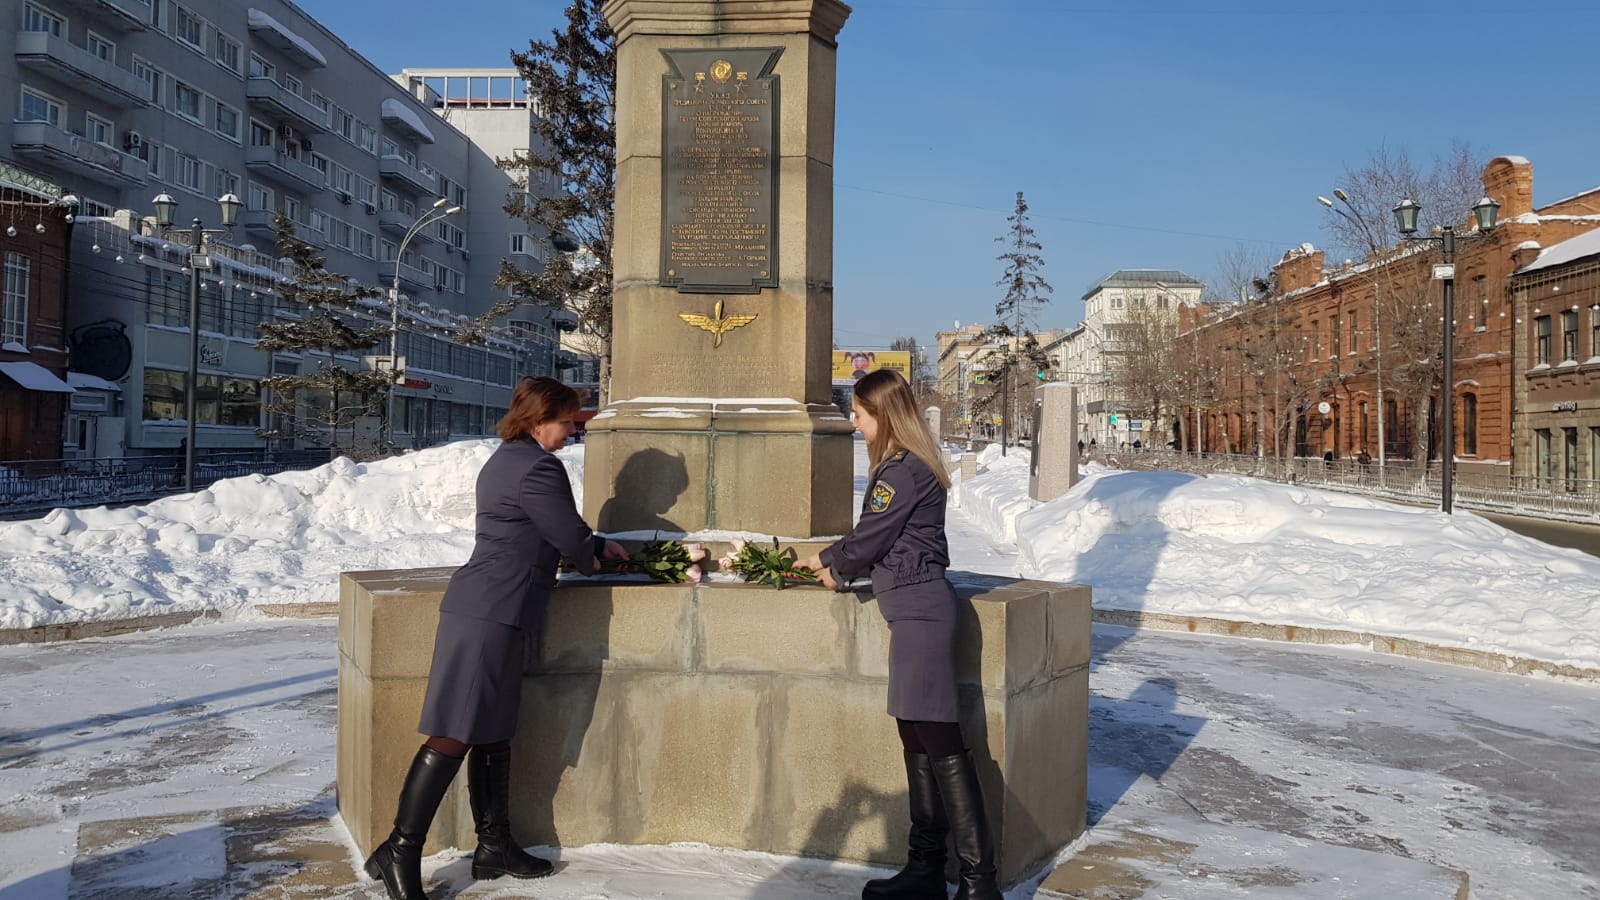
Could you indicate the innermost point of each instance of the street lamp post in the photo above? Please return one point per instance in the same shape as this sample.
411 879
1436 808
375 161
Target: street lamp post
165 207
1354 216
436 213
1486 212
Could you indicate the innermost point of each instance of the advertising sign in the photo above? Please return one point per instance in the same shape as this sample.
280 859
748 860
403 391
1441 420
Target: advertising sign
850 365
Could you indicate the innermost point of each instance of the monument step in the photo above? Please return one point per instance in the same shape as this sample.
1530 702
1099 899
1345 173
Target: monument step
1166 849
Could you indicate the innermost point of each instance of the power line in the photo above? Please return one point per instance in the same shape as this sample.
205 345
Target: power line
1075 221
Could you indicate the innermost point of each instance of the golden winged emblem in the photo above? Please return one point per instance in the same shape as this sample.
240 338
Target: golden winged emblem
716 323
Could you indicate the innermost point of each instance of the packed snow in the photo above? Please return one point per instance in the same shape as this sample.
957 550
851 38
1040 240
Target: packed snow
1218 546
1240 548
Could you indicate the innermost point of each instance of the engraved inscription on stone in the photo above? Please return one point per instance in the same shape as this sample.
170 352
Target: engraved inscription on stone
719 170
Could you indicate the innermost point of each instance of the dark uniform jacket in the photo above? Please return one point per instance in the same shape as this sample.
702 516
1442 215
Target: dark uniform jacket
527 522
900 537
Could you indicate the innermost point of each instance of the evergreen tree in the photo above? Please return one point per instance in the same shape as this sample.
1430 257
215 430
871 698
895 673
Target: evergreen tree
315 405
572 79
1026 293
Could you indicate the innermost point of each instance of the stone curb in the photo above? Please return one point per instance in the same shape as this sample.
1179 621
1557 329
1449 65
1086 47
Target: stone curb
1378 643
72 631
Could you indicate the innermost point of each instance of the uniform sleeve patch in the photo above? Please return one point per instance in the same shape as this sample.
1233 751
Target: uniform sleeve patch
882 496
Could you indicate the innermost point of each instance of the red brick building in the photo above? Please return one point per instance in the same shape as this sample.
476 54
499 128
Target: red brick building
34 237
1300 373
1556 303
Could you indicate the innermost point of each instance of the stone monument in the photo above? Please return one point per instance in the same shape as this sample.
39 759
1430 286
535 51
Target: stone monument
720 413
1054 469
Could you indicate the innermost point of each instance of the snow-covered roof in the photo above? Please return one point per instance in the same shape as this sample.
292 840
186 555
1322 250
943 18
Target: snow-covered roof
396 111
278 35
85 381
34 377
1586 244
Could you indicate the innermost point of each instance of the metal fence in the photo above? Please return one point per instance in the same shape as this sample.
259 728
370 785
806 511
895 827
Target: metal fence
1569 500
32 487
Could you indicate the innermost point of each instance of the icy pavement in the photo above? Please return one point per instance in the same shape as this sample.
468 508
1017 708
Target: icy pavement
199 762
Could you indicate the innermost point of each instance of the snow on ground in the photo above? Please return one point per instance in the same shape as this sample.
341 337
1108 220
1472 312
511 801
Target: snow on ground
1240 548
1169 542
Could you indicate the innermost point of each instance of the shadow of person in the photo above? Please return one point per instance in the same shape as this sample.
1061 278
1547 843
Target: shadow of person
811 876
647 486
1141 735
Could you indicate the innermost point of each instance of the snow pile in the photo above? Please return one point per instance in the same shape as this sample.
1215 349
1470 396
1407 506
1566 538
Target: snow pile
1240 548
245 541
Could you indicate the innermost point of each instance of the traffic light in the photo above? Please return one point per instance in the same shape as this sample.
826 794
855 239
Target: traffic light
1041 374
1113 418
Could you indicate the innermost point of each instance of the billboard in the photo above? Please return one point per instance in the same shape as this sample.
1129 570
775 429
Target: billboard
849 365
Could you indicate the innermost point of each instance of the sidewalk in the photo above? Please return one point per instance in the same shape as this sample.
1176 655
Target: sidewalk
199 762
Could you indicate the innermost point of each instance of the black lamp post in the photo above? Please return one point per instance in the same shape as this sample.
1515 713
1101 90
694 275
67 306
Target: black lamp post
1486 212
165 206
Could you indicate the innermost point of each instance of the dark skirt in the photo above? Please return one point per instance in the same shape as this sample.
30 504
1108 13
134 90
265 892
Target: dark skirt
922 649
475 685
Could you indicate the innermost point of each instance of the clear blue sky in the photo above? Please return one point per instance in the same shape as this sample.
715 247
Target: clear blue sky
1144 134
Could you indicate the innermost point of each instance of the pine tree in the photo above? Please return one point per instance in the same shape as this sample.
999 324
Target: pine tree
315 405
1014 327
572 79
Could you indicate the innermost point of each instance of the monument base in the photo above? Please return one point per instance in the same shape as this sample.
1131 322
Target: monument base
763 466
728 714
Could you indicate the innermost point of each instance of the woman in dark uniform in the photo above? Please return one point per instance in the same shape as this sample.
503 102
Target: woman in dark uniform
527 522
900 540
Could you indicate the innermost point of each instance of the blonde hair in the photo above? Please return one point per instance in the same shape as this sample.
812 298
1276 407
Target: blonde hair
888 399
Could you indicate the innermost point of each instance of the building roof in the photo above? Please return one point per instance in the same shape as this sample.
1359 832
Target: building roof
1586 244
1142 278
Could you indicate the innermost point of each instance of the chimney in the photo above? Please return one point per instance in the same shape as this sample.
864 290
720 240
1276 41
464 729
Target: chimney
1509 179
1526 252
1299 268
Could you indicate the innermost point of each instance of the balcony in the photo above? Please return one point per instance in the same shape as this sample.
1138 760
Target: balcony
51 146
81 70
275 99
396 170
395 222
121 16
284 170
414 278
259 221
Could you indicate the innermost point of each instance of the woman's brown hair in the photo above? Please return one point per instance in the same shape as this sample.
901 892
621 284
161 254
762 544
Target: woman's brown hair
887 398
535 401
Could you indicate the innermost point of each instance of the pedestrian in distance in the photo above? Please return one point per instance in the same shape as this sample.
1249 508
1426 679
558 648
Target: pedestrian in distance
900 540
527 522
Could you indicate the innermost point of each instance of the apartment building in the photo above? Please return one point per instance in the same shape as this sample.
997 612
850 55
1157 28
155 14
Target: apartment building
1121 312
120 100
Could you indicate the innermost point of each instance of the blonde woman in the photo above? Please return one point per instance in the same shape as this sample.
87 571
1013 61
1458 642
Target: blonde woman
900 540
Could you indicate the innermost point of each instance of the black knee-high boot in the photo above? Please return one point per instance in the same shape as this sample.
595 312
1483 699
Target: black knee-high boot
923 876
498 853
398 861
963 805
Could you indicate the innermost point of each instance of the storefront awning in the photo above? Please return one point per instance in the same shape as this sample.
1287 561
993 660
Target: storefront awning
34 377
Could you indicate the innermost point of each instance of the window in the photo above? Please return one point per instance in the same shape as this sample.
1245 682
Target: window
260 197
260 68
151 154
37 107
190 29
240 401
19 268
369 139
189 173
99 130
1541 330
156 8
389 251
228 53
1353 331
227 121
37 18
366 242
1469 424
1334 336
1116 302
1542 458
1569 335
101 47
389 201
1482 282
260 134
186 100
320 163
164 395
227 183
519 243
347 126
293 85
1569 457
291 208
1316 338
152 77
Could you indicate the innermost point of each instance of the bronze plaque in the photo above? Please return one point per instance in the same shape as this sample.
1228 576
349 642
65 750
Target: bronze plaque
719 170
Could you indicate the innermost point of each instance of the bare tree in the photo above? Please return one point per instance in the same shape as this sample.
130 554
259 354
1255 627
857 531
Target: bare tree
1447 189
1238 274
